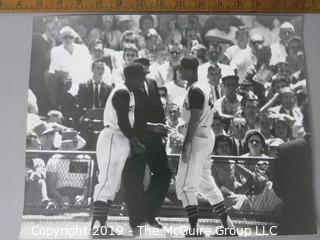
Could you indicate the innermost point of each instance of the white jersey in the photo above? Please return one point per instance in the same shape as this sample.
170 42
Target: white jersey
207 109
110 117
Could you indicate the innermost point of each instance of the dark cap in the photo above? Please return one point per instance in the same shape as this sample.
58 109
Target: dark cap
143 61
189 63
134 69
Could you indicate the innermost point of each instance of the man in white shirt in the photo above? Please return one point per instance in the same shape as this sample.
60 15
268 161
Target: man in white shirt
71 60
175 89
242 37
214 54
248 56
278 49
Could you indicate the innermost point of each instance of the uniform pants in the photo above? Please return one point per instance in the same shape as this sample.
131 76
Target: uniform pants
194 177
143 205
112 152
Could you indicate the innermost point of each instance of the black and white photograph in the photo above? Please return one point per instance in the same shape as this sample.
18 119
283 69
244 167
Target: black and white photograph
168 126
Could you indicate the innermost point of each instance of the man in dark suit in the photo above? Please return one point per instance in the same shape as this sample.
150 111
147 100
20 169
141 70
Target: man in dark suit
95 92
143 206
293 183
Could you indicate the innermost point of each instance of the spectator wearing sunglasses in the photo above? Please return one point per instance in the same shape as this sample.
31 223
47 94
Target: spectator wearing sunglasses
166 72
70 60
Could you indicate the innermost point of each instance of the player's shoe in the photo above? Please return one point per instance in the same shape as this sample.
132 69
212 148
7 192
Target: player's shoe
155 223
194 233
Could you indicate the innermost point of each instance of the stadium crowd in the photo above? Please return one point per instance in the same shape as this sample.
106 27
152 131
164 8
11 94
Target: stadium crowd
255 66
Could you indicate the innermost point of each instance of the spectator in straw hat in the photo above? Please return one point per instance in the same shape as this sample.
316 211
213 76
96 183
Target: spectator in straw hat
68 175
46 135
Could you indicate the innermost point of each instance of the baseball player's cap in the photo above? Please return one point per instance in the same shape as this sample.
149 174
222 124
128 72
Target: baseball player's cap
189 63
229 74
134 69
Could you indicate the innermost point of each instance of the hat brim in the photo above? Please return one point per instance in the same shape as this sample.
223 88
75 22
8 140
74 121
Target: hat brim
58 142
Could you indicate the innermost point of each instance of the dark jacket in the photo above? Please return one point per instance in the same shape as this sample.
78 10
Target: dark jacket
293 183
86 93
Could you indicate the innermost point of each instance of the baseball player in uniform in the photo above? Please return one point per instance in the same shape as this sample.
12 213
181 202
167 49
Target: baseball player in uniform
116 142
194 172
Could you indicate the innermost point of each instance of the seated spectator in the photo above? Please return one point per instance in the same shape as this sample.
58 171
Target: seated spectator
254 177
94 93
273 144
174 120
152 39
248 57
192 34
228 105
54 116
130 53
146 22
295 54
35 176
46 136
214 77
70 60
166 72
175 88
218 125
277 82
199 51
68 175
281 128
108 33
214 54
223 172
117 57
238 129
250 110
265 123
97 53
288 107
278 49
242 39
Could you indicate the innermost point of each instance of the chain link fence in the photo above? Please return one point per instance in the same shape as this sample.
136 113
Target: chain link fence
246 183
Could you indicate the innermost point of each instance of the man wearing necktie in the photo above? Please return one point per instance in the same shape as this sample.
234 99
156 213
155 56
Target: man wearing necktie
144 205
214 76
94 93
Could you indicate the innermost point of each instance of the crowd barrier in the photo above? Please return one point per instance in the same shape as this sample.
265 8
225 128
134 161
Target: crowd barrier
254 199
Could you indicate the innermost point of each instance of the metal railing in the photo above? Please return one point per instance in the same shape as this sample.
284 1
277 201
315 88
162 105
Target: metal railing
253 200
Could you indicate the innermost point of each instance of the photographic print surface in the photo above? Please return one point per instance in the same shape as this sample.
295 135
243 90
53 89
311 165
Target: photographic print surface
167 126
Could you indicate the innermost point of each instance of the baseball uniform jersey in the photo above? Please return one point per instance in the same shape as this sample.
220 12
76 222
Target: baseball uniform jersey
194 177
113 148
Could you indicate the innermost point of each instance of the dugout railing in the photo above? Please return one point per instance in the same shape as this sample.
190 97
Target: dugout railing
255 201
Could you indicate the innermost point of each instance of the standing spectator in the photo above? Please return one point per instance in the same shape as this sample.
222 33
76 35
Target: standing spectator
265 122
242 39
40 60
281 128
70 60
218 125
278 49
192 35
228 105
